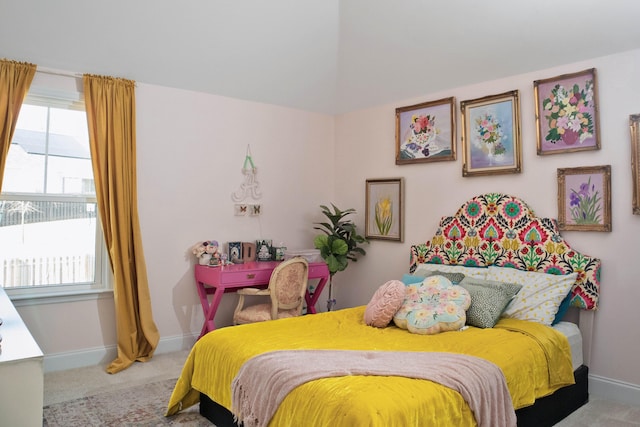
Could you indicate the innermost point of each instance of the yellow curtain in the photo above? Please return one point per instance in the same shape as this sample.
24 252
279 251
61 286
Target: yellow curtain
110 104
15 79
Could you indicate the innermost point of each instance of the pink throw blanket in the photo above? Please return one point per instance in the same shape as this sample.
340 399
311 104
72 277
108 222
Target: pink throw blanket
265 380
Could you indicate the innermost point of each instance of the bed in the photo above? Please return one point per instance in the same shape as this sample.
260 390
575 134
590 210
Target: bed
492 236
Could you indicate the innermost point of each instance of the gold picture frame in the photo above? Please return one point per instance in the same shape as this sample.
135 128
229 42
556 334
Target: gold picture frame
567 113
384 216
426 132
584 198
634 125
491 135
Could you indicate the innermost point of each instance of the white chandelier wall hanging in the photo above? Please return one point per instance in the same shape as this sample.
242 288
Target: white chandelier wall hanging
250 187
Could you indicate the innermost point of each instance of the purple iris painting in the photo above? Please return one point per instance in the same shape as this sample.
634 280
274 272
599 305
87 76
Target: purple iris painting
584 199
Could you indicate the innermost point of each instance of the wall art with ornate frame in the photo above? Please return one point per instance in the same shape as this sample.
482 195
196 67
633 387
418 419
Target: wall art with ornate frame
384 209
491 135
426 132
567 113
584 198
634 124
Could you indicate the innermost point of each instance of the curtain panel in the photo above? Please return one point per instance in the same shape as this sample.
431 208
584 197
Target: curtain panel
15 79
110 105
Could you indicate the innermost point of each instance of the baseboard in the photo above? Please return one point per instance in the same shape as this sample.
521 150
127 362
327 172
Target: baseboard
104 355
620 391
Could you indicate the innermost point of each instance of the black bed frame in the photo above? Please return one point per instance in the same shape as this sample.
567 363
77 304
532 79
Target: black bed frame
546 411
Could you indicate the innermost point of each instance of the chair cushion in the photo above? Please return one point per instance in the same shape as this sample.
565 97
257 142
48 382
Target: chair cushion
261 313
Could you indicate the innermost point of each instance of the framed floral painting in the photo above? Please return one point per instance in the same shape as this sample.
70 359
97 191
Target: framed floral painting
567 113
384 209
426 132
634 124
491 135
584 198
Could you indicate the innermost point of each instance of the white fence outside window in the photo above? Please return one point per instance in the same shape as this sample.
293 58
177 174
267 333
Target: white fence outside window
19 272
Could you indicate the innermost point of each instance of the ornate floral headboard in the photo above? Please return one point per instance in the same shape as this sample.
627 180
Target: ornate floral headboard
498 229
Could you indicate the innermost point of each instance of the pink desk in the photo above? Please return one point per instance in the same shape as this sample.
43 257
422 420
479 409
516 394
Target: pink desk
218 280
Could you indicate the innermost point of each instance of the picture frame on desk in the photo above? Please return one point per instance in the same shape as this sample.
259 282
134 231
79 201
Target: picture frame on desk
248 251
235 252
263 250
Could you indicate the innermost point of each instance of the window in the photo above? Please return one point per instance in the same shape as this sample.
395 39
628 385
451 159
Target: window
51 240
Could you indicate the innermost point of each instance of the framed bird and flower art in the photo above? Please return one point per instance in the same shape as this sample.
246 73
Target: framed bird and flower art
426 132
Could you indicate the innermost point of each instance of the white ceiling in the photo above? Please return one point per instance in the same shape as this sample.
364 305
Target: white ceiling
329 56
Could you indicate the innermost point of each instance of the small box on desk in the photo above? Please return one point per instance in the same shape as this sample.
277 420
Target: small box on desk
311 255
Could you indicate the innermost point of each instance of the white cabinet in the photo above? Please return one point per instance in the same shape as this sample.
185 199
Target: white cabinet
21 370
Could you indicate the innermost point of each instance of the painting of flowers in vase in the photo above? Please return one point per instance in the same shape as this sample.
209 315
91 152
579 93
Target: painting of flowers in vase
426 132
567 113
584 200
491 135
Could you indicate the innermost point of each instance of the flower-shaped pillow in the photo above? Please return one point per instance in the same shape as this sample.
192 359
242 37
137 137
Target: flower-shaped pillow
433 306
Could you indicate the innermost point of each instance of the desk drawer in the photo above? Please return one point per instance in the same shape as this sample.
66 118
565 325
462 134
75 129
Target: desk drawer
250 277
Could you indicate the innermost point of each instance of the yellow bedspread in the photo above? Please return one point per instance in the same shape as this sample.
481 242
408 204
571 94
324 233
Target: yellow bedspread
534 358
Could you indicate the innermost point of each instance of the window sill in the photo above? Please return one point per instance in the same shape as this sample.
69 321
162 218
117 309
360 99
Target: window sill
20 300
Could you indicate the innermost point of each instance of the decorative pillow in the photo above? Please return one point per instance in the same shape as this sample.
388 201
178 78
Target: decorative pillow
410 279
540 296
562 310
475 272
433 306
488 300
455 278
384 304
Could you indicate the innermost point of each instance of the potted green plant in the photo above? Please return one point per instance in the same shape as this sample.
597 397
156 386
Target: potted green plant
338 244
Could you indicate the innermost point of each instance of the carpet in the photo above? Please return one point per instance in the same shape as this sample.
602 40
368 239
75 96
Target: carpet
139 406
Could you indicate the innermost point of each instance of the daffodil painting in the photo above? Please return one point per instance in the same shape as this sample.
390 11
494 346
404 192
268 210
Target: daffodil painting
384 215
384 209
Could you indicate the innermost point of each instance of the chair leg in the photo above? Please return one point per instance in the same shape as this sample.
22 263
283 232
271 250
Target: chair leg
238 308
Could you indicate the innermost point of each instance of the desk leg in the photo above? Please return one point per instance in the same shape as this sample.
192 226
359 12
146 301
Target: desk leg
312 299
210 313
204 299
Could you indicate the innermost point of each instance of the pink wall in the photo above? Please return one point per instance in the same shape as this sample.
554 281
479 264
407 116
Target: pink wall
435 189
191 147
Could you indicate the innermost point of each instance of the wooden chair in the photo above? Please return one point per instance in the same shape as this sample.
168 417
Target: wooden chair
287 287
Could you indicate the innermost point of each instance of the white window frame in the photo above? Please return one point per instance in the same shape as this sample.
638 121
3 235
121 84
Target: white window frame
102 286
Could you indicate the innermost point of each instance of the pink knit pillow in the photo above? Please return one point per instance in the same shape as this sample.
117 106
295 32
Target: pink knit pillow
384 304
